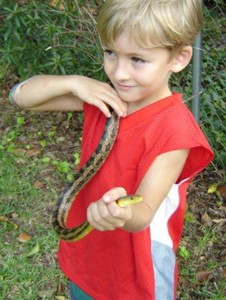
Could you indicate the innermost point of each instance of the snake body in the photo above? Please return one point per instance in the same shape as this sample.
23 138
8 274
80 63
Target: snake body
88 170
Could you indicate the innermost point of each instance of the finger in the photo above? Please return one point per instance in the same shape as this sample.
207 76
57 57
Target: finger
103 107
104 101
112 98
103 104
120 215
117 103
98 216
112 215
113 194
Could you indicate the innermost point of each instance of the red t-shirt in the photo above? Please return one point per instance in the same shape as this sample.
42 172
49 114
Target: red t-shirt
117 264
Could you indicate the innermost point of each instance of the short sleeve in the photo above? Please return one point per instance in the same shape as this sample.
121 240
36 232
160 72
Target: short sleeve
178 130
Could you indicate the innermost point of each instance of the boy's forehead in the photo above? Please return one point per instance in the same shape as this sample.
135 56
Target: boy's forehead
126 42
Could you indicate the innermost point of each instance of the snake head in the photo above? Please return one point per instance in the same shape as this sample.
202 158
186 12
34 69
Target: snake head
129 200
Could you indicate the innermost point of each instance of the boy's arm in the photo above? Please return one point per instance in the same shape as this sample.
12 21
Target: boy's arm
66 93
105 214
155 186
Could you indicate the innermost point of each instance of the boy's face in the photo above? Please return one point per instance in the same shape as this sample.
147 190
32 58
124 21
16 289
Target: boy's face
139 75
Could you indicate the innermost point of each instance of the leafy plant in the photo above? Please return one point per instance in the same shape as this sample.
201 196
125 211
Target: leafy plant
37 37
212 97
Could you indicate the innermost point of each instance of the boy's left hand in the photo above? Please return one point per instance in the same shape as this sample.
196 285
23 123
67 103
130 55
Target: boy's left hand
105 214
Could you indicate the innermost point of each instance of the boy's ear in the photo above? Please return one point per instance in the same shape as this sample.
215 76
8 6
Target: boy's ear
181 59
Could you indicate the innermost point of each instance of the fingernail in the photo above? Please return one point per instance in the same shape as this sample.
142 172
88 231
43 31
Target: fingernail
106 198
122 114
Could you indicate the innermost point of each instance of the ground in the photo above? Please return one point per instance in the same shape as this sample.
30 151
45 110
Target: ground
50 142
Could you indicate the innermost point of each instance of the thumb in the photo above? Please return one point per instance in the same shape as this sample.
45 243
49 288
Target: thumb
114 194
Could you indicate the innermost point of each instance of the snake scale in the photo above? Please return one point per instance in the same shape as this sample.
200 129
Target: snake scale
82 177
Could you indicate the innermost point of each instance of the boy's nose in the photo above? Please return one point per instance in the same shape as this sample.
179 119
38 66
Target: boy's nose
121 72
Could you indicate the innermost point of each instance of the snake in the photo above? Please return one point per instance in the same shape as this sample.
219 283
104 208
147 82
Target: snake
81 178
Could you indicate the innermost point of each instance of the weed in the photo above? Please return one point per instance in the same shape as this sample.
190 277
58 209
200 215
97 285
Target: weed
24 266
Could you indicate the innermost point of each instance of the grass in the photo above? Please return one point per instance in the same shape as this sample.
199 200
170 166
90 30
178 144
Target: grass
29 268
202 272
36 160
38 153
33 172
202 275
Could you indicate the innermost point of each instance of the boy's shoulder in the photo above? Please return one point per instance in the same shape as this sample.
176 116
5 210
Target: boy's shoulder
169 111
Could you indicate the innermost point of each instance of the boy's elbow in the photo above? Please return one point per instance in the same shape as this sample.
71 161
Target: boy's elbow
14 96
21 103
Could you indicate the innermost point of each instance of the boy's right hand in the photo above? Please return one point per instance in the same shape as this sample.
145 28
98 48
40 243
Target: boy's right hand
105 214
97 93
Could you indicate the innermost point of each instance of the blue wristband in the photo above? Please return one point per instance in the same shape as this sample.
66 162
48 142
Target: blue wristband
11 94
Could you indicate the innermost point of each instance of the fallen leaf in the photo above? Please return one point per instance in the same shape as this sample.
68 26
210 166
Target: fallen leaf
21 161
206 220
60 298
14 225
218 221
24 237
189 217
203 275
46 293
212 188
34 152
15 215
183 281
60 139
223 208
38 184
60 288
34 250
19 150
58 4
222 190
4 219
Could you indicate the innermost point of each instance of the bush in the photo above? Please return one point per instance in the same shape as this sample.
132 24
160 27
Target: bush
213 108
58 37
37 37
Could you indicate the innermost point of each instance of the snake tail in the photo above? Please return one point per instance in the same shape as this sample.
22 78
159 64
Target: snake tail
81 231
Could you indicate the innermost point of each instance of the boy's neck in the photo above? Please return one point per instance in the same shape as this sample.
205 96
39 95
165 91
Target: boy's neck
134 106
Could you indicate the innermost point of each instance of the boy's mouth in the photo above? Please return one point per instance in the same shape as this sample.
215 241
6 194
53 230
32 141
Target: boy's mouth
123 87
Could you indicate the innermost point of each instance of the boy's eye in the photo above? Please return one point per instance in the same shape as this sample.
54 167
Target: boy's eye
108 52
138 60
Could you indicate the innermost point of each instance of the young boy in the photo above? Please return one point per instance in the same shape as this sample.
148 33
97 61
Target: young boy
158 150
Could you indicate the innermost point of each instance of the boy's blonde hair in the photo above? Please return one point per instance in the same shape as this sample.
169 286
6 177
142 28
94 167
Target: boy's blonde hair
151 23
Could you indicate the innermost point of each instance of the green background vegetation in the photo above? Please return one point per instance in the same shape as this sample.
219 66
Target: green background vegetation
37 37
59 37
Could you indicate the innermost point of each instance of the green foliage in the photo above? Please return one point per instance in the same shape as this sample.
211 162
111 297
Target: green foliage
36 37
213 109
39 37
213 95
9 139
27 269
183 252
